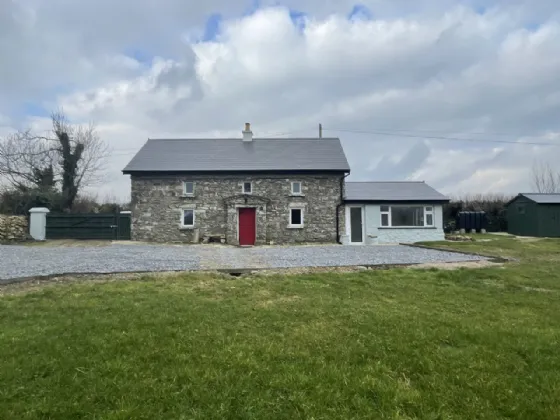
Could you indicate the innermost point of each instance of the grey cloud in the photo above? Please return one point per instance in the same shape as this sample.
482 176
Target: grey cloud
412 160
46 46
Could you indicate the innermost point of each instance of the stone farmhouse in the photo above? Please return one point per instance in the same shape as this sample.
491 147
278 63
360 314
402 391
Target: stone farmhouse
257 191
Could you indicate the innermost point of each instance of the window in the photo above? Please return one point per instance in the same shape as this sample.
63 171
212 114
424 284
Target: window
188 188
521 209
187 219
296 188
247 187
296 217
385 212
407 216
429 216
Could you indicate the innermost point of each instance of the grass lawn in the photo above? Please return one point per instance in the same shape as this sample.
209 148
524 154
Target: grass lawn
394 344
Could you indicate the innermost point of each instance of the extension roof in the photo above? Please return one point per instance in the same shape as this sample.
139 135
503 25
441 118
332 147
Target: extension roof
392 192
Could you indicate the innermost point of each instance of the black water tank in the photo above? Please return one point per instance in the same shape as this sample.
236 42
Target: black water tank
469 220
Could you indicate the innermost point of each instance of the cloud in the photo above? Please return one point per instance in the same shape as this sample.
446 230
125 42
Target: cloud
432 68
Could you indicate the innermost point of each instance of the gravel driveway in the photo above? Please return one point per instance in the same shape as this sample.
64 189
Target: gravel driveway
33 261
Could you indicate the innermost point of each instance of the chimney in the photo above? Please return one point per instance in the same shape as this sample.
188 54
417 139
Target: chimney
247 133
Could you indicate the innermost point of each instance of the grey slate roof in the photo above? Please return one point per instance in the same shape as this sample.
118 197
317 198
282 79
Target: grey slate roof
219 154
391 191
542 198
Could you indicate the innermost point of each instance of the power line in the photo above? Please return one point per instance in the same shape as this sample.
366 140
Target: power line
288 132
381 133
420 130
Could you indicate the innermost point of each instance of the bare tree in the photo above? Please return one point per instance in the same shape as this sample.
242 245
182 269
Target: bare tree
69 158
545 178
23 157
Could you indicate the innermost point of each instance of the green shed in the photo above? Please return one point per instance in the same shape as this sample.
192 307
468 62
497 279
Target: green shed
534 214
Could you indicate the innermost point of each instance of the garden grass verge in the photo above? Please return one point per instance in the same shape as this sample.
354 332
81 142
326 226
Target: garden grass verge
395 343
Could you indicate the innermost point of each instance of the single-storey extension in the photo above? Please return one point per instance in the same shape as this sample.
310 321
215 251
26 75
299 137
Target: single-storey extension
392 212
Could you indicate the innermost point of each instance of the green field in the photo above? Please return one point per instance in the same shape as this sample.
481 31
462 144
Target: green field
392 344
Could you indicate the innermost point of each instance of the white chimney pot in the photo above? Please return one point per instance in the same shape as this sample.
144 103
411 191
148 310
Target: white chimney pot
247 133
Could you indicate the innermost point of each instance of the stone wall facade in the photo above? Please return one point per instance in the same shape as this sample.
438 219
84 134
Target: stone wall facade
13 228
158 203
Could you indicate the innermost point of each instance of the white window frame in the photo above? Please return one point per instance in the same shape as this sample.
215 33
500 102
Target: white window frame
185 193
243 187
429 212
183 218
300 188
388 213
390 216
302 210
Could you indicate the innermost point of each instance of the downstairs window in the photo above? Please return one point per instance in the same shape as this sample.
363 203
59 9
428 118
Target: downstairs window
296 217
187 219
407 216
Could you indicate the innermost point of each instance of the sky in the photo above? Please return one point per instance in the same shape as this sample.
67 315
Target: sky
464 95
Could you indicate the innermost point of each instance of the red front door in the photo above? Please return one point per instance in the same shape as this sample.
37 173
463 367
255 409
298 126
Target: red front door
247 226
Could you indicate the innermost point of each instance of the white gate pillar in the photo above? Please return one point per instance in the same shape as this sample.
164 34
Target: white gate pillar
38 223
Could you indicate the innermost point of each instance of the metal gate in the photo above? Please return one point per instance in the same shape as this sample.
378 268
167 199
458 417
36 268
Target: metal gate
112 226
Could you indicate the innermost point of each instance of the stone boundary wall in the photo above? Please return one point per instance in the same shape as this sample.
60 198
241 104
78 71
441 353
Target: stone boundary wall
13 228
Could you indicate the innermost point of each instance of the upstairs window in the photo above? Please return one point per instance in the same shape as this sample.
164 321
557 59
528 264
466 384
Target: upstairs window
247 187
296 188
188 188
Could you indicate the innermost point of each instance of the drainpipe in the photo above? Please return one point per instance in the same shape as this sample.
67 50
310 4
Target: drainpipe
339 206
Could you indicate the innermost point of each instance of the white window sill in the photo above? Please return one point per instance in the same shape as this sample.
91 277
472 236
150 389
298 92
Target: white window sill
407 227
187 196
297 195
186 227
295 226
